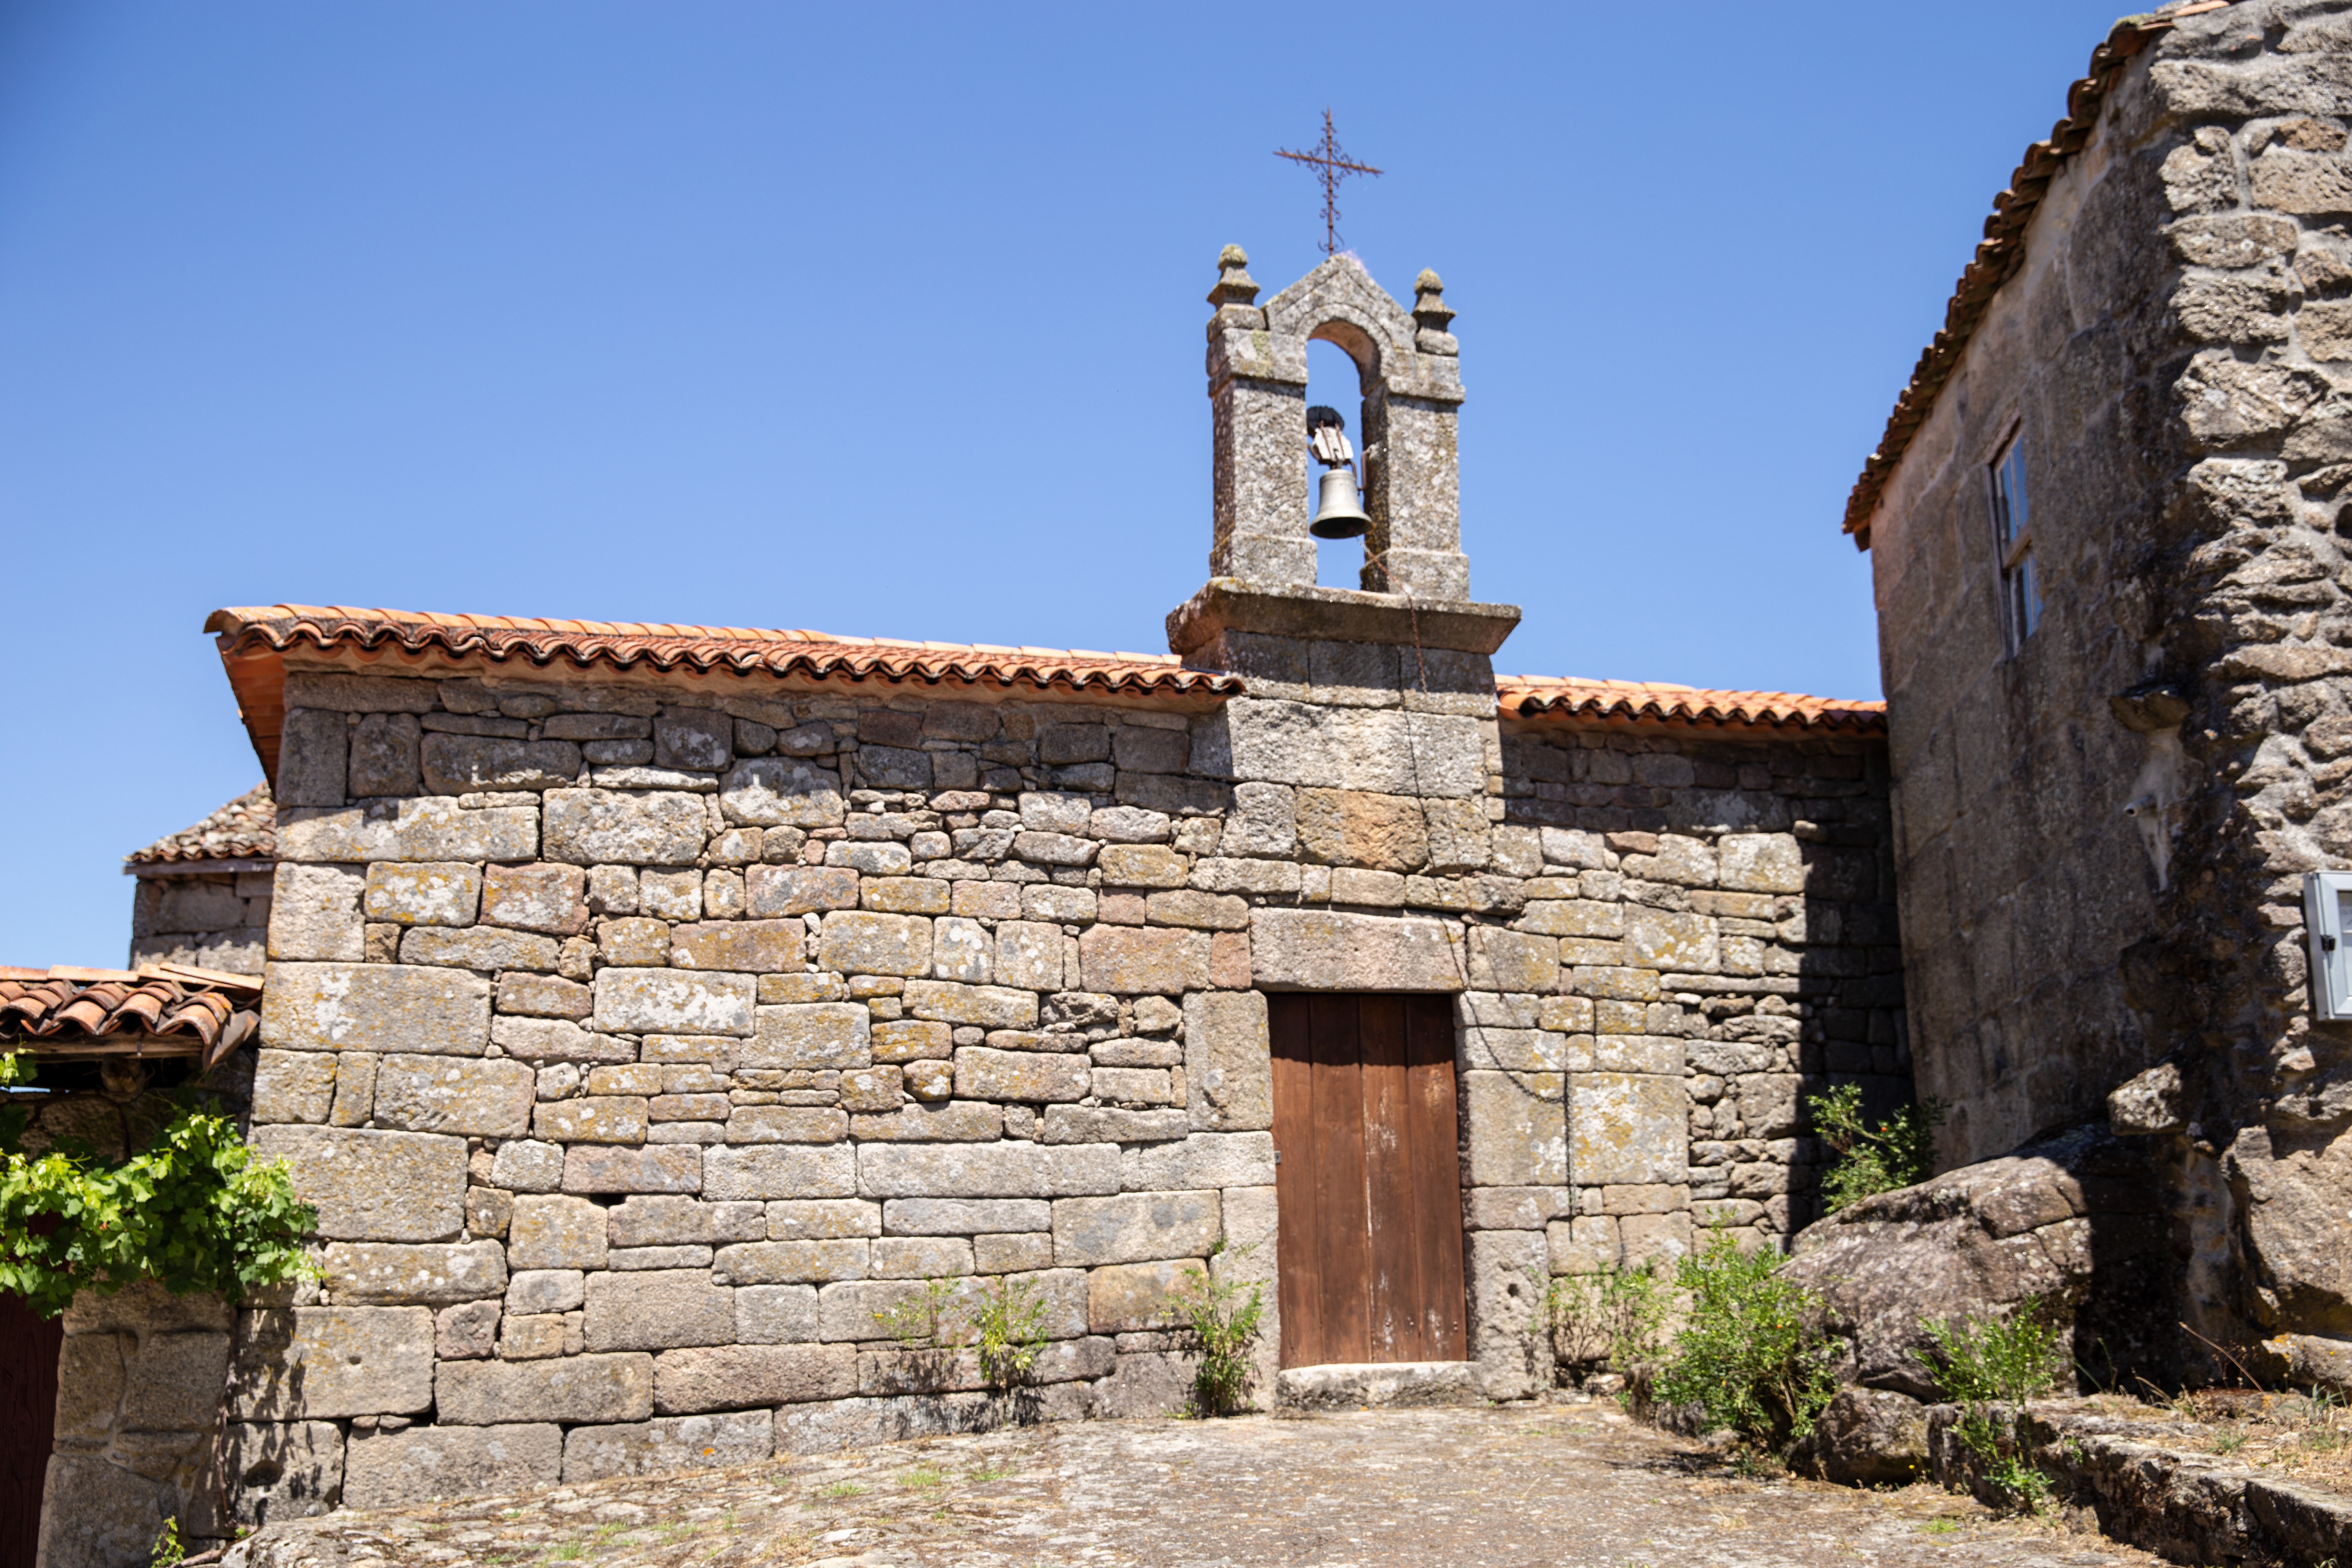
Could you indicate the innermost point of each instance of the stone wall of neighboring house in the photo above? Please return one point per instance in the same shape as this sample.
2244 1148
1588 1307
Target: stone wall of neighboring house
2021 880
139 1381
2100 840
213 920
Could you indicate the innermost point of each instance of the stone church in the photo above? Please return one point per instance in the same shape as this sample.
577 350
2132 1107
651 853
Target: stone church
652 1011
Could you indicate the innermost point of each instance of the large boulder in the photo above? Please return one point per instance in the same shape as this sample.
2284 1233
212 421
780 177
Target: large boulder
2075 1220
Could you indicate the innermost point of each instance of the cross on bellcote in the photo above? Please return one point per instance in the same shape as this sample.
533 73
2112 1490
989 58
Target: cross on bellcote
1331 166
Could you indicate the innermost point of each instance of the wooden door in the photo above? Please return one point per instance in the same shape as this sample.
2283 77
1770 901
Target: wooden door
1368 1181
28 1410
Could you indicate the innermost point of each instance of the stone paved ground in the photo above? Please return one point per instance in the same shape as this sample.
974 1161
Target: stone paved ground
1567 1486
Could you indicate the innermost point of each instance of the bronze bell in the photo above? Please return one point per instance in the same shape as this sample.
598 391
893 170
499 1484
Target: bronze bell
1338 509
1338 514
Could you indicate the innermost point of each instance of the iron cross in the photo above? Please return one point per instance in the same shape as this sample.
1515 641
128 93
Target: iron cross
1331 166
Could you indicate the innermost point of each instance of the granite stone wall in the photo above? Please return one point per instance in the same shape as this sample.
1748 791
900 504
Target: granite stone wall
2021 879
140 1380
1726 918
213 920
2100 841
644 1046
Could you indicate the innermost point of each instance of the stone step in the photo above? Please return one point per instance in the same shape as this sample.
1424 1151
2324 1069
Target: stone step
1359 1385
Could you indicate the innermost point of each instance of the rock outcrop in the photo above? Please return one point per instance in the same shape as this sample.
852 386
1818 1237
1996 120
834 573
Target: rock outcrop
2073 1221
1867 1437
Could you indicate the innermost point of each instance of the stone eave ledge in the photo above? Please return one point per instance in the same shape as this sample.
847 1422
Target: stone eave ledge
2146 1492
1337 614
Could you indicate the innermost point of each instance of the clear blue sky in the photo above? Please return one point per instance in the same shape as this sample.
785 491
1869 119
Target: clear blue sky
887 321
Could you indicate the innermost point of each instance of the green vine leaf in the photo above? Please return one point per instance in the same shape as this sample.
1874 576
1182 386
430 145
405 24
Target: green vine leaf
191 1211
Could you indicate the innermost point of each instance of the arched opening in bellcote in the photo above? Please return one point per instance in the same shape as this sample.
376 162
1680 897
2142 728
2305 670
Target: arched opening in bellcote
1343 369
1408 389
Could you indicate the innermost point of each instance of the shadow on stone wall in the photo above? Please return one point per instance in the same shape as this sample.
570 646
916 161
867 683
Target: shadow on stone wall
1733 901
1850 983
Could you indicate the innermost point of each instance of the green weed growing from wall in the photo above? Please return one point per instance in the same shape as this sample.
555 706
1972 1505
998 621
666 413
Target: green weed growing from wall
1898 1152
1220 1328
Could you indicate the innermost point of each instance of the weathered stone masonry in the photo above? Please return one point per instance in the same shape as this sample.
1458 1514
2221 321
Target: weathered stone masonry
627 1107
648 1009
2101 837
1731 926
203 894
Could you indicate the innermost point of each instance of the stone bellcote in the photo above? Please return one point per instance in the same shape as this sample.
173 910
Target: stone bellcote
1412 392
1415 582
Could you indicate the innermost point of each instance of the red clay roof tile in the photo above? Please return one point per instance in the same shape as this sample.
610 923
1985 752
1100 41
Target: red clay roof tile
1661 703
705 649
253 641
164 1010
244 829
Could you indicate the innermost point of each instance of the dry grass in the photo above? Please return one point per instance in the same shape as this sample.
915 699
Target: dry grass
2305 1436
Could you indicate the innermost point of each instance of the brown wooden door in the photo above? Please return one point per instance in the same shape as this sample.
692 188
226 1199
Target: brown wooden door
28 1411
1368 1180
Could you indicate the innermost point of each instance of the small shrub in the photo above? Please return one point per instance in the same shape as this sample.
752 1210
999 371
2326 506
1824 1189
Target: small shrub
1989 1368
169 1548
1009 1325
1993 1361
924 1322
1615 1318
1898 1152
1220 1328
1745 1356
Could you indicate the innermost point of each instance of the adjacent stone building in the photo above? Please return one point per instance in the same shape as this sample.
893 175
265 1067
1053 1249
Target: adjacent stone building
126 1431
2108 524
203 896
652 1011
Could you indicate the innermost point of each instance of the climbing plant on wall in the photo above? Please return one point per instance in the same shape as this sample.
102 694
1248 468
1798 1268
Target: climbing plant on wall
193 1210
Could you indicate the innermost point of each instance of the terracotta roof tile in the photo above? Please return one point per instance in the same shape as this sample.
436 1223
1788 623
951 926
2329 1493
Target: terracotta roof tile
244 829
168 1009
253 641
2003 249
1661 703
625 645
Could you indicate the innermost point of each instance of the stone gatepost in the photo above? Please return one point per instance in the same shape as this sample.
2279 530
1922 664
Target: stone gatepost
139 1391
1367 745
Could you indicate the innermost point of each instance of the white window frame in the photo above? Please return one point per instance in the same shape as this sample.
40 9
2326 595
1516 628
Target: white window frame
2324 895
2021 587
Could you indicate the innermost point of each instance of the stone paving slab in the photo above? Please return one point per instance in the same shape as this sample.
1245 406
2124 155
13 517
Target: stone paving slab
1567 1486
